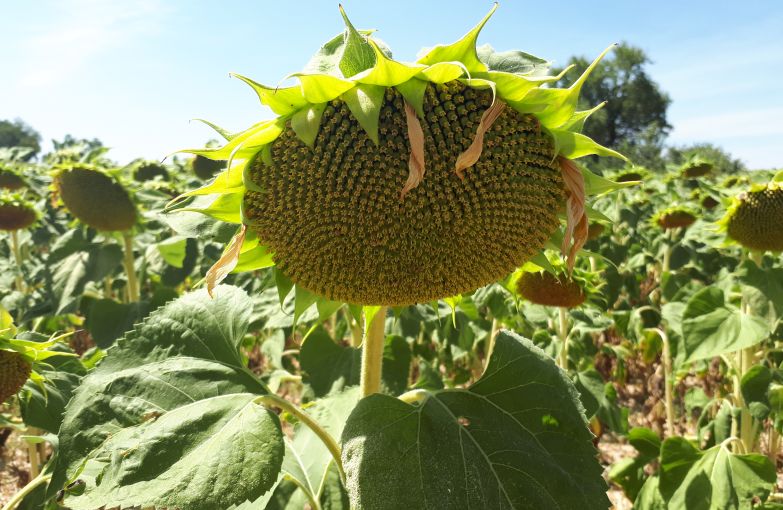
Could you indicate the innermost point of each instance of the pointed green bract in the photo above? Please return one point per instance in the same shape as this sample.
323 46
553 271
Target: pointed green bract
281 101
365 103
307 121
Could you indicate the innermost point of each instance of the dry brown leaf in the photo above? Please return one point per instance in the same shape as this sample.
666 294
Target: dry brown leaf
218 272
576 222
473 153
416 161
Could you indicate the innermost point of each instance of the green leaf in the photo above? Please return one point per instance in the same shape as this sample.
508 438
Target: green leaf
108 320
517 438
311 455
649 498
365 102
71 275
710 327
208 454
645 441
515 62
716 478
307 122
763 289
463 51
174 385
755 385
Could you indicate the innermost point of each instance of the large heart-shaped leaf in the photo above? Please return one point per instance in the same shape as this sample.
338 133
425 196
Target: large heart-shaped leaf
517 438
710 327
168 418
716 478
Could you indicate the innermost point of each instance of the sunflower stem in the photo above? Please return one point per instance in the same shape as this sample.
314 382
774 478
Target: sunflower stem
330 443
372 353
15 247
563 332
27 489
491 342
668 382
130 270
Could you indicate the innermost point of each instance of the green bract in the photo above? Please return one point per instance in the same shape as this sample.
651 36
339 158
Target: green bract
390 183
95 198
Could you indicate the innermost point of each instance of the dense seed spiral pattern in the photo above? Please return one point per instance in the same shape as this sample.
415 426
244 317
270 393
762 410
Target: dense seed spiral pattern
14 371
333 217
16 216
549 290
757 222
96 199
676 219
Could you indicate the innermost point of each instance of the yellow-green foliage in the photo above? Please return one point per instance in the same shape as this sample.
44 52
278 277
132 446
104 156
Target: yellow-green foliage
14 371
544 288
95 198
755 219
334 218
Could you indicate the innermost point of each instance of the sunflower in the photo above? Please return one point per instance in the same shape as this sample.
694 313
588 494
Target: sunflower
675 217
755 218
95 197
390 183
16 213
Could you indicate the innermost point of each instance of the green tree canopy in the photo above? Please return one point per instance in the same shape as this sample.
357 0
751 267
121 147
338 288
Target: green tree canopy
634 119
723 161
18 134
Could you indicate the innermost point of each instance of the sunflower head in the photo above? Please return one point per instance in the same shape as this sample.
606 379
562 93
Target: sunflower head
94 197
16 213
144 170
553 287
675 217
10 180
631 174
755 218
391 183
696 167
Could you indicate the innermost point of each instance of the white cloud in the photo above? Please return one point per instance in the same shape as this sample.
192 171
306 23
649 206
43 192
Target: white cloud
83 31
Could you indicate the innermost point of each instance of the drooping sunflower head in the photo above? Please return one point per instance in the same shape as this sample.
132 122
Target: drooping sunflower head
144 170
10 180
675 217
205 168
631 174
555 286
16 213
391 183
696 167
95 197
755 218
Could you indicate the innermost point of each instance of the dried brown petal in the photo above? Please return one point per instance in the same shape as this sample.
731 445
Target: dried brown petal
576 223
218 272
416 161
473 153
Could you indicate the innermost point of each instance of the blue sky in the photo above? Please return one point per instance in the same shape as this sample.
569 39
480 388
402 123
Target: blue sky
133 72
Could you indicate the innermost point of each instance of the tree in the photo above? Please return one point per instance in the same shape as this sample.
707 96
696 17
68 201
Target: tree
722 160
634 119
19 134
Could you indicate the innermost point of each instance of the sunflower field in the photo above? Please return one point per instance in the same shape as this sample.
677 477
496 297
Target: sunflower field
418 286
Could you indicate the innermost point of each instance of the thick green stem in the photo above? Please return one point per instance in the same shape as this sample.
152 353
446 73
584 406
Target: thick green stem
491 342
27 489
774 445
323 435
130 269
563 332
16 249
668 383
667 251
372 353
